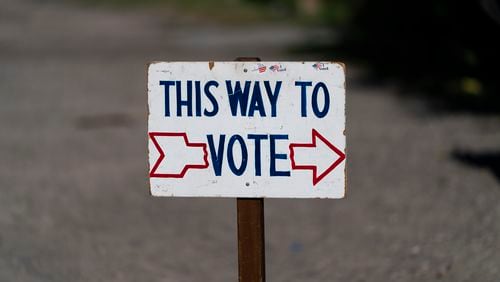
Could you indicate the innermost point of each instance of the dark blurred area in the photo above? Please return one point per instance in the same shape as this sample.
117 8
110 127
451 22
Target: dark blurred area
489 160
446 49
423 141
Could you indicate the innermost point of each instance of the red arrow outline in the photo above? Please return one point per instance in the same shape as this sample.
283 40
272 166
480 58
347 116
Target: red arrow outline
315 134
153 173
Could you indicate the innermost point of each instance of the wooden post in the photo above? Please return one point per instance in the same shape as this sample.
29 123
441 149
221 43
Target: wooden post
251 246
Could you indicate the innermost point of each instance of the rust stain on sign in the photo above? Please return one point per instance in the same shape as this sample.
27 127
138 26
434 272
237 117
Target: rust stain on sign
211 65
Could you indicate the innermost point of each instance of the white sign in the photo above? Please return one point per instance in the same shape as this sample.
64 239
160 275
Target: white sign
247 129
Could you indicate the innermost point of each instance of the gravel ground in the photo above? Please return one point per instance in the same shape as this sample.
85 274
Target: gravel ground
74 199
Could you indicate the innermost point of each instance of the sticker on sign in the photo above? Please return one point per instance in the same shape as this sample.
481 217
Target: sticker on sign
247 129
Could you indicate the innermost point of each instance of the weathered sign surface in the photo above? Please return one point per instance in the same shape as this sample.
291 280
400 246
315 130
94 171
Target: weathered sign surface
247 129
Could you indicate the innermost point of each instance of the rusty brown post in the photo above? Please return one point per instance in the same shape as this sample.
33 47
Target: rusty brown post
251 246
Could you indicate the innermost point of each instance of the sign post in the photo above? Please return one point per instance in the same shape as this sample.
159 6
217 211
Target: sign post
251 234
247 130
251 244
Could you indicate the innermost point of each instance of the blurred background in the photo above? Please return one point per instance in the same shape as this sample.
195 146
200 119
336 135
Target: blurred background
423 135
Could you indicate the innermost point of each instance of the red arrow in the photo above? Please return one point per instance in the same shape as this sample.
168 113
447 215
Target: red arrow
202 146
315 136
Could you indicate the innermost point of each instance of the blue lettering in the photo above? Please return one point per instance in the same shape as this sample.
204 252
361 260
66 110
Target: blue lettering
315 107
257 138
210 96
303 96
197 88
244 155
188 103
275 156
238 97
273 95
218 156
256 102
167 84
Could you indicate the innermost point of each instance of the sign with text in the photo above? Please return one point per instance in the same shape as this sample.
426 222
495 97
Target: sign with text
247 129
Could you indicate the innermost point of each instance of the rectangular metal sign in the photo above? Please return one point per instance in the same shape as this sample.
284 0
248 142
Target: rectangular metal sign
247 129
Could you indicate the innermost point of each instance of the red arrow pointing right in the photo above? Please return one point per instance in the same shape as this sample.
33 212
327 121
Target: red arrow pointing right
315 135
